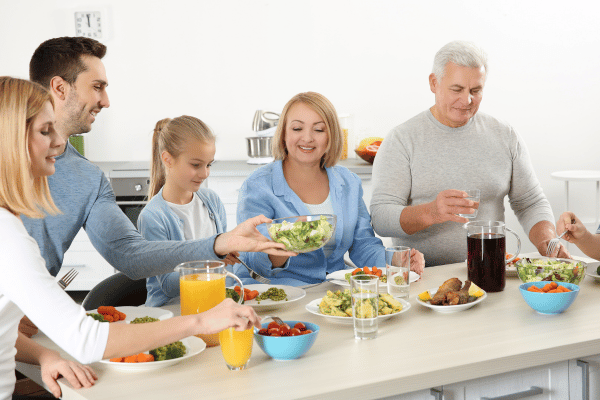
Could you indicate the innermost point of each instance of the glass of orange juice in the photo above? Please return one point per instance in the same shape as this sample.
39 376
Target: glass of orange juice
236 347
202 286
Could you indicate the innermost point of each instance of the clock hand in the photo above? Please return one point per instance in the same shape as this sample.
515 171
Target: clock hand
88 17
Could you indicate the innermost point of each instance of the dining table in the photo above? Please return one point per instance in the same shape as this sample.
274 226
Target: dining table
416 350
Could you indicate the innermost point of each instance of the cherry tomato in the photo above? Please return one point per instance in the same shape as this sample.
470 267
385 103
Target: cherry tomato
306 332
274 332
300 326
295 332
264 332
286 325
284 330
273 325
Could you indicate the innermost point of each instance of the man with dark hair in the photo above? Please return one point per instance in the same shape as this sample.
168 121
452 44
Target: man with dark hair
62 57
72 69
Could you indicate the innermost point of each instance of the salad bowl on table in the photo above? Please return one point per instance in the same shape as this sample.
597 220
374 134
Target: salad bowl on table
303 233
551 269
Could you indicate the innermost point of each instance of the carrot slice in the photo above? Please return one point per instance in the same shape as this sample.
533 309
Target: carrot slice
357 270
366 270
130 359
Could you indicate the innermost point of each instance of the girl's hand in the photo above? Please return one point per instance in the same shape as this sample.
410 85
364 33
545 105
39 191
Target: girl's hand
227 314
417 261
54 366
231 258
569 222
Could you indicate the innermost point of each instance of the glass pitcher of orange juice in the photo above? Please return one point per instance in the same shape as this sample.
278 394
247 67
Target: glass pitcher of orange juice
202 286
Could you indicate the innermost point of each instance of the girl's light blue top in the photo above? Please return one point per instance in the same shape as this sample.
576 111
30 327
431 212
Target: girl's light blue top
267 192
158 221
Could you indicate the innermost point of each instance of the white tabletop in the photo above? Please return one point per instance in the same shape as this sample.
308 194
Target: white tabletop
582 175
416 350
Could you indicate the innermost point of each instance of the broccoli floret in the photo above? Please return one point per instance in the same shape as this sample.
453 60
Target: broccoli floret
168 352
97 317
143 320
232 294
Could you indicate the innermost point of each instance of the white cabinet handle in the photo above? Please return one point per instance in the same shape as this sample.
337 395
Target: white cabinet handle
520 395
585 379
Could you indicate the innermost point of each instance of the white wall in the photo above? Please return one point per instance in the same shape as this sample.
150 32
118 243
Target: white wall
222 60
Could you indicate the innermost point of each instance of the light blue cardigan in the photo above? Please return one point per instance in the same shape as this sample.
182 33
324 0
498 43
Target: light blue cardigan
267 192
158 221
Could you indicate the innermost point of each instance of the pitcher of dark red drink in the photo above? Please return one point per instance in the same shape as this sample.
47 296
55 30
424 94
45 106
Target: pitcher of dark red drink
486 260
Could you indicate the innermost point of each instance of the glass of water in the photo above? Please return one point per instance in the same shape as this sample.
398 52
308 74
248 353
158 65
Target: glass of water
473 195
365 305
397 269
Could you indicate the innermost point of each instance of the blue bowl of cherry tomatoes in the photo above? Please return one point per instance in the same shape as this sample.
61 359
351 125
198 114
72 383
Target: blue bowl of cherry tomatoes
288 341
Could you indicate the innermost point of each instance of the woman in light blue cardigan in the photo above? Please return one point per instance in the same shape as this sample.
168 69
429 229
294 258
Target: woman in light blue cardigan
305 180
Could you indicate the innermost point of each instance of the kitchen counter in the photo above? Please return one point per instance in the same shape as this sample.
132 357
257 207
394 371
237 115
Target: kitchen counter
416 350
222 167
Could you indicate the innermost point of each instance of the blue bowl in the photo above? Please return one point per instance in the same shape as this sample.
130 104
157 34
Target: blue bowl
549 303
287 347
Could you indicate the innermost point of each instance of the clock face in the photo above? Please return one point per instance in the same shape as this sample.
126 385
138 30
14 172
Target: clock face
88 24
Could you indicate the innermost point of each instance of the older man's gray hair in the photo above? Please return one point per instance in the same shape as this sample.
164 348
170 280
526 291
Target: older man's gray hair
462 53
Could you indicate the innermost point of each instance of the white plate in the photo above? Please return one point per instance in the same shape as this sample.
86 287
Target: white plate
339 278
140 312
450 309
193 346
313 307
293 294
591 270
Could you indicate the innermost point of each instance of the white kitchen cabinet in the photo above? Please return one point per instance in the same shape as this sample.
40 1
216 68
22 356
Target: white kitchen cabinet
577 376
427 394
552 379
92 267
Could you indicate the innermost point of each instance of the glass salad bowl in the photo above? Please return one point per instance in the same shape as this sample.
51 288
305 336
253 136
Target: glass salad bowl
303 233
551 269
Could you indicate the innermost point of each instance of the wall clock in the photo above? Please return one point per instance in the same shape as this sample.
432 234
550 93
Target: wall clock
89 24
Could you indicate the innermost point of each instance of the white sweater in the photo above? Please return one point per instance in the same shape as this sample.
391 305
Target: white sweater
423 157
27 287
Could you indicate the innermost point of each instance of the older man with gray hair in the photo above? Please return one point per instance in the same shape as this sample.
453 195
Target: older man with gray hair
424 166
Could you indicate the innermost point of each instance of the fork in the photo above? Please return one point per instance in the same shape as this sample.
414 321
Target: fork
276 319
67 278
253 274
553 243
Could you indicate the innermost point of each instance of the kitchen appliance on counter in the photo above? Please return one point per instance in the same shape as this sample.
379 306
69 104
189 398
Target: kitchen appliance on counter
259 146
259 149
130 181
264 120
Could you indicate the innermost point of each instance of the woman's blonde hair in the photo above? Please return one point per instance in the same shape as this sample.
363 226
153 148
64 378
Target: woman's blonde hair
326 110
20 193
172 136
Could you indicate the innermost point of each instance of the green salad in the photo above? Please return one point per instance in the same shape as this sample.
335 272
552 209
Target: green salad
302 236
540 269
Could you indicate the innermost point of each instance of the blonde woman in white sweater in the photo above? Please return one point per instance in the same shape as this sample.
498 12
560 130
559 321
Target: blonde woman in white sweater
28 145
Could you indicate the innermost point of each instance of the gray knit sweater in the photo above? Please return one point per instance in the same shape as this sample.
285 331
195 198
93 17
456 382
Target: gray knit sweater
422 157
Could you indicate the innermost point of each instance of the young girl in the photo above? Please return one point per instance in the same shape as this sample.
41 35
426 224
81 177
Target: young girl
183 150
28 146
